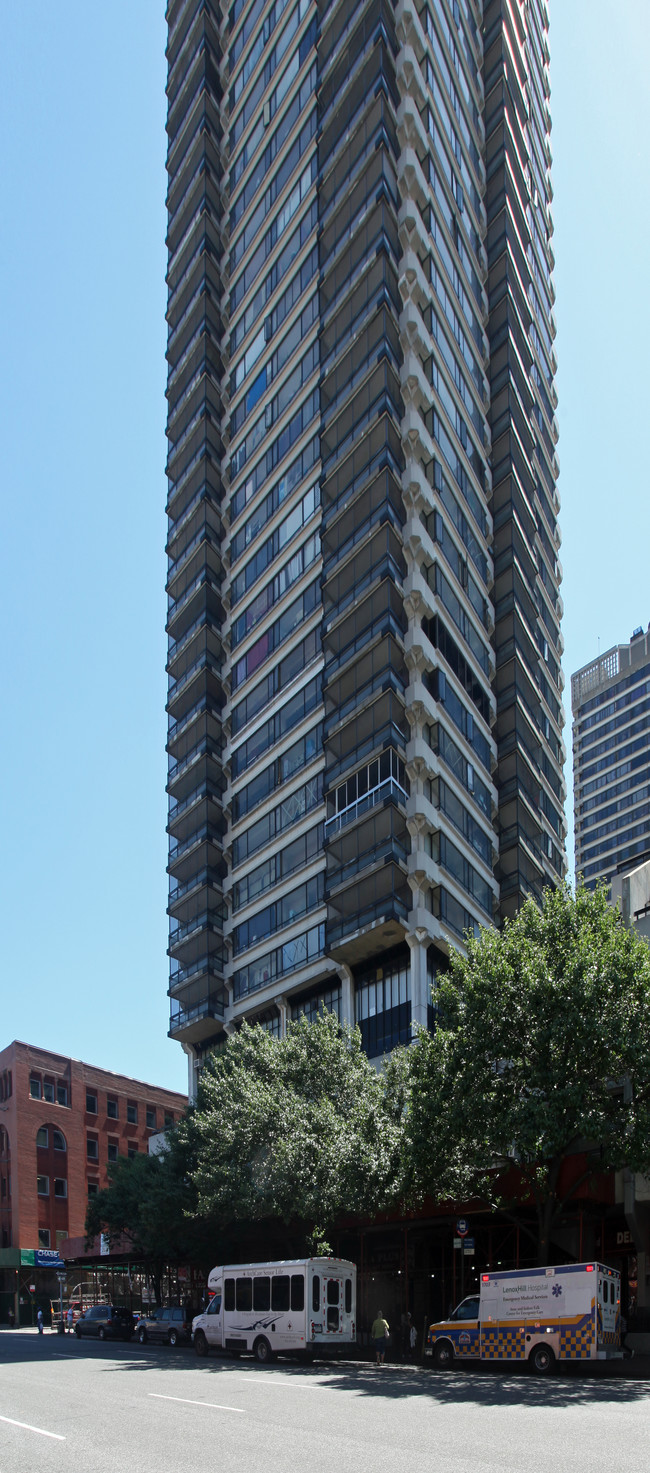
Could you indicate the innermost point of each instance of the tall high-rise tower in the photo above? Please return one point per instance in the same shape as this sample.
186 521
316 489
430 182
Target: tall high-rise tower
611 760
365 724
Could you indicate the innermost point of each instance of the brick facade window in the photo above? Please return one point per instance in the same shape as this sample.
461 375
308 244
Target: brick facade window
93 1188
92 1148
169 1119
43 1138
59 1140
43 1186
131 1112
91 1102
35 1087
60 1186
49 1091
111 1109
44 1237
132 1149
113 1150
62 1093
151 1117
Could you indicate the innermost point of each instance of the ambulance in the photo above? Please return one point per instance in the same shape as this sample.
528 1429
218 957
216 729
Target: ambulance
292 1305
542 1316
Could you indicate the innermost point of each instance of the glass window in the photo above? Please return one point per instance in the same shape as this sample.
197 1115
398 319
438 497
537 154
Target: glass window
48 1091
132 1113
332 1317
35 1087
169 1119
262 1294
244 1294
58 1140
297 1291
93 1188
42 1138
44 1237
468 1310
214 1306
132 1149
229 1294
43 1186
151 1117
315 1293
348 1296
91 1102
62 1093
113 1150
111 1109
60 1187
280 1292
92 1148
333 1289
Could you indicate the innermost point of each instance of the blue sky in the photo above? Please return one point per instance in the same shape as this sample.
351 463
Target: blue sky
82 257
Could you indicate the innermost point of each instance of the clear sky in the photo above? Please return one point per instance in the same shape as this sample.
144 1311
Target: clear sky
82 106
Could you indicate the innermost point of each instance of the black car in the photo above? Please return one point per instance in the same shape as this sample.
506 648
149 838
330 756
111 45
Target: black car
168 1324
105 1322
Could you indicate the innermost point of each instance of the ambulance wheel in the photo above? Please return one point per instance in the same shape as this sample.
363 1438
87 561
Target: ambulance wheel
262 1351
200 1343
443 1356
542 1360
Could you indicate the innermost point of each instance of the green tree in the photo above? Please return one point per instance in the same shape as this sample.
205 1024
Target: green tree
151 1203
300 1128
542 1050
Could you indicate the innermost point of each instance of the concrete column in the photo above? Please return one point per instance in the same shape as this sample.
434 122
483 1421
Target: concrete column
283 1009
420 992
192 1071
347 994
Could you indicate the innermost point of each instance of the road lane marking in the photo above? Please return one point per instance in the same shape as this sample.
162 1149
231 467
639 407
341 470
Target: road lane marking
188 1402
28 1428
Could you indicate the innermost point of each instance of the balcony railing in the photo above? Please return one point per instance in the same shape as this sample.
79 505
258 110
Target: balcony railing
390 788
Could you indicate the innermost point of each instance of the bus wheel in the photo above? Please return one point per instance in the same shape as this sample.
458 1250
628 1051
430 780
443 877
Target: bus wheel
443 1355
200 1343
542 1360
262 1351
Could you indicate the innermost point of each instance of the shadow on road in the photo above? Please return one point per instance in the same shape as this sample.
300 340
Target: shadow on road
618 1383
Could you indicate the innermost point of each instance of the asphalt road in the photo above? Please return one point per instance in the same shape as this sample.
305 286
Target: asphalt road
91 1408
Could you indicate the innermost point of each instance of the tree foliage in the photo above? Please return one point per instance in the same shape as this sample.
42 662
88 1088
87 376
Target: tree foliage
542 1049
151 1203
298 1127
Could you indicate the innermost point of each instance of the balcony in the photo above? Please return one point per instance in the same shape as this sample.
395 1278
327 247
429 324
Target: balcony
390 791
192 1022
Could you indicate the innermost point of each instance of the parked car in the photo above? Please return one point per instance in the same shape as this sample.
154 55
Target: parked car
105 1321
167 1323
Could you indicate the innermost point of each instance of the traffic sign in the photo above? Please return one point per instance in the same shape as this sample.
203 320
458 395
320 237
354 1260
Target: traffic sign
462 1227
468 1246
458 1242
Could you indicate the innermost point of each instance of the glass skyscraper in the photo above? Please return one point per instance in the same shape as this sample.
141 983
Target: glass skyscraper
365 722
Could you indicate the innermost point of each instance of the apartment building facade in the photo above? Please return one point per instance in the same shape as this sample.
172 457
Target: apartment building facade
610 699
61 1123
365 722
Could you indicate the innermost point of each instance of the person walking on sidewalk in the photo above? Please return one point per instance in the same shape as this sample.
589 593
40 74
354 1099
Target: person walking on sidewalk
39 1321
379 1334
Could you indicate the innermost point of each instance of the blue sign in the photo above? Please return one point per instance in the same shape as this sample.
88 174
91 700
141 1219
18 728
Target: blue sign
47 1258
468 1245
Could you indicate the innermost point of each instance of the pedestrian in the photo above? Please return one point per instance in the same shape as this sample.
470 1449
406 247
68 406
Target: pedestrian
413 1339
39 1320
11 1318
70 1319
380 1333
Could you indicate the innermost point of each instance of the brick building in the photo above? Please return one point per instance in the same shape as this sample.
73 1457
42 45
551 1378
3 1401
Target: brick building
61 1123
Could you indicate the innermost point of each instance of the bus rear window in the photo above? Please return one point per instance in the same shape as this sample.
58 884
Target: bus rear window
229 1294
333 1291
297 1291
280 1292
315 1293
261 1294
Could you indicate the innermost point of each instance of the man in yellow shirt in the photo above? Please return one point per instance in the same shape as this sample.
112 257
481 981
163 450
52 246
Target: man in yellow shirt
379 1333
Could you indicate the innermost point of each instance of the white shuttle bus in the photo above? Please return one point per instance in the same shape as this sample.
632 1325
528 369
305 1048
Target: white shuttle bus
301 1304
